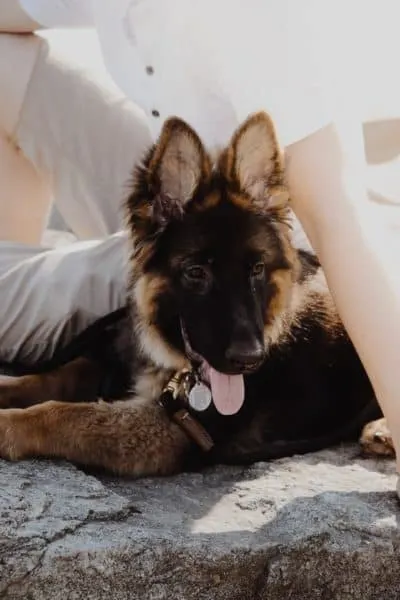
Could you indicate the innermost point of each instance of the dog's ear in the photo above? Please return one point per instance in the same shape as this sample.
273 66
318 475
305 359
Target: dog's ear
177 167
255 163
167 180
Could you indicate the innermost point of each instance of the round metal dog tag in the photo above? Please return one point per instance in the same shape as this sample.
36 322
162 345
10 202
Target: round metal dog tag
200 397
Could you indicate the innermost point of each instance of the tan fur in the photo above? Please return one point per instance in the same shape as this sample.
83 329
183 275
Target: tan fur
140 255
376 439
151 382
134 437
154 344
282 280
77 380
316 301
145 292
307 297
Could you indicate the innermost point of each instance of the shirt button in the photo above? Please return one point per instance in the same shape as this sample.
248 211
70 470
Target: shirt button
155 113
149 70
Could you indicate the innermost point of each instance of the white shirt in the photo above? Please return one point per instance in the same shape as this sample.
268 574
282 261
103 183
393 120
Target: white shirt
210 62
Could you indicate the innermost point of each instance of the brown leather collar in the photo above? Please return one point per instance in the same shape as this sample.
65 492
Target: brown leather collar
172 399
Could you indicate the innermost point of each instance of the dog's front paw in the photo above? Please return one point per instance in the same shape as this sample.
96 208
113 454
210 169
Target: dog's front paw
376 439
11 444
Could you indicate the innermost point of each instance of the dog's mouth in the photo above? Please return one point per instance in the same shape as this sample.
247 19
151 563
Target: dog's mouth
227 390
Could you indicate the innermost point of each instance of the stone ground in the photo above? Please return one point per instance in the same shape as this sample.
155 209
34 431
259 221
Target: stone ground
323 526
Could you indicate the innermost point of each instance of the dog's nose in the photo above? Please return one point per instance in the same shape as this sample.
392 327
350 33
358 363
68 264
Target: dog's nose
245 355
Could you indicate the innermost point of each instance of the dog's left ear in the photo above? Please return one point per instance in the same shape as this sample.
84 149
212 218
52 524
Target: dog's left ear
178 165
254 162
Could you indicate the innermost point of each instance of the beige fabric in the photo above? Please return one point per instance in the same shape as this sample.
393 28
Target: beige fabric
87 137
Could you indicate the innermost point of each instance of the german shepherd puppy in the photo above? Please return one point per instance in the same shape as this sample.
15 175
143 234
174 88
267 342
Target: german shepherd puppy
216 288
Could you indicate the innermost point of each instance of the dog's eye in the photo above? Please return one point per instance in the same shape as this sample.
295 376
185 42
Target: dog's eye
196 273
257 270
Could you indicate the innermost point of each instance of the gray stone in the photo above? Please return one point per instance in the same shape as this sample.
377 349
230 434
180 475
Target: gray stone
323 526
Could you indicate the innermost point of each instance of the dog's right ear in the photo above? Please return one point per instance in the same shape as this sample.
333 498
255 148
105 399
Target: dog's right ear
170 177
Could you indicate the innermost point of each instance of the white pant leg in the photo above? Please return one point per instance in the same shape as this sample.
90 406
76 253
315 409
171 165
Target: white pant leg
88 137
50 296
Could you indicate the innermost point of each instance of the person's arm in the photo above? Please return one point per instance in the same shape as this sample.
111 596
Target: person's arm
326 180
24 16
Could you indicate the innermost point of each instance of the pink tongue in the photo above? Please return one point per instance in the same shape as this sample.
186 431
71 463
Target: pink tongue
227 392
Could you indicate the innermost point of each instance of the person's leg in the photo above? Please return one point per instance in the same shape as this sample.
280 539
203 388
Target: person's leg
326 177
88 136
50 296
25 194
89 140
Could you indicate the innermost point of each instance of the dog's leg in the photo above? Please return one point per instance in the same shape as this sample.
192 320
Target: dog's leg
133 437
75 381
376 439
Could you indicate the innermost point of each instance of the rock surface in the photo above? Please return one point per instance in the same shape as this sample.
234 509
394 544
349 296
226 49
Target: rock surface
323 526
